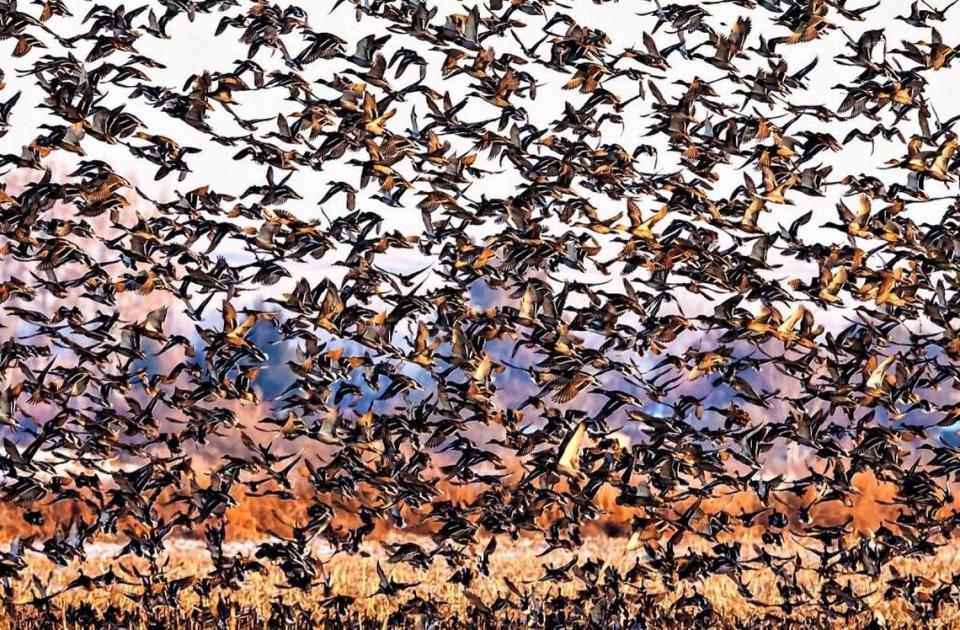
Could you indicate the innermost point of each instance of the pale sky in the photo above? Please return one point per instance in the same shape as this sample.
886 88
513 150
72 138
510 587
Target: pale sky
193 49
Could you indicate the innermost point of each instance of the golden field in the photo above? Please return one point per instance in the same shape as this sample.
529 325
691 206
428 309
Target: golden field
182 596
254 604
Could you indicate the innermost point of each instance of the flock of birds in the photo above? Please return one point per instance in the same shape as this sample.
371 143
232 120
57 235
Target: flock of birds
675 338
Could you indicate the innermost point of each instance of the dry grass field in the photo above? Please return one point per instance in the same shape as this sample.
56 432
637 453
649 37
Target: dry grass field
108 589
181 601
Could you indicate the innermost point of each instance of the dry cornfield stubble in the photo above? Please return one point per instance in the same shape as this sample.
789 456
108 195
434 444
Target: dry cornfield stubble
525 583
489 600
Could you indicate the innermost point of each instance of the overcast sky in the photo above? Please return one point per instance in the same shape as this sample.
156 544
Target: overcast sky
193 49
